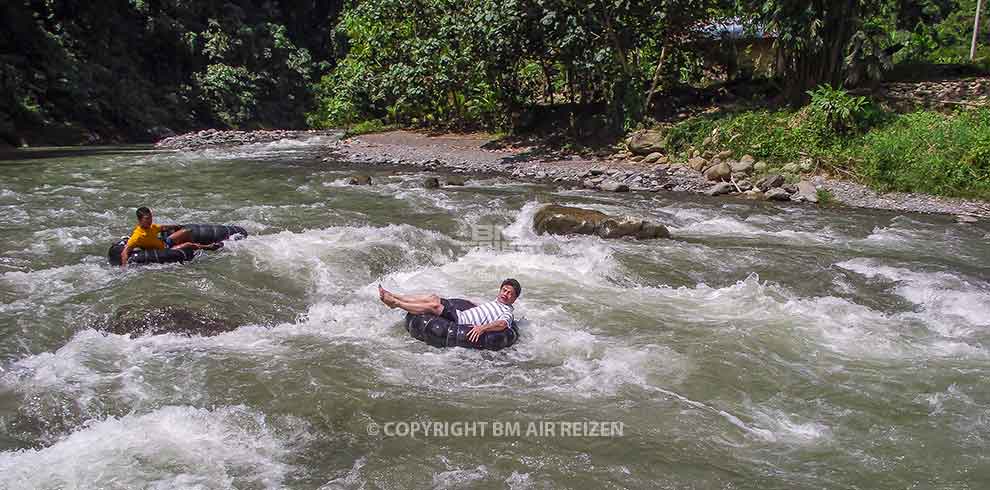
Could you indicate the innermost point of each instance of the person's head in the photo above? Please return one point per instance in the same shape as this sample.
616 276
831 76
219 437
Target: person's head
143 217
509 291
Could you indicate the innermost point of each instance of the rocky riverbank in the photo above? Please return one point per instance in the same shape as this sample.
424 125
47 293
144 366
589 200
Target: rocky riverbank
640 167
217 138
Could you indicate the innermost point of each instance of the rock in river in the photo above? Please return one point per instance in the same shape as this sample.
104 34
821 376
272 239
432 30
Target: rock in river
360 180
565 220
156 320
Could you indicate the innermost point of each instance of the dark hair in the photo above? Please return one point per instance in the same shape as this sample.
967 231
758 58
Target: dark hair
515 285
142 212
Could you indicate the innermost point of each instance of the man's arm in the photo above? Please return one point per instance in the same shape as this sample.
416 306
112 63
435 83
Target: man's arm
124 254
496 326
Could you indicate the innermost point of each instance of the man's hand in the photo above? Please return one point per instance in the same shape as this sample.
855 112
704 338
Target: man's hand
124 254
476 332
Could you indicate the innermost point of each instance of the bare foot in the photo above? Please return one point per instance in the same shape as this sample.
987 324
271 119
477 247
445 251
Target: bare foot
386 297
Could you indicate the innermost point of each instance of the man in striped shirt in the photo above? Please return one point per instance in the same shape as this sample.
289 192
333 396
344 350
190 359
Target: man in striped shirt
493 316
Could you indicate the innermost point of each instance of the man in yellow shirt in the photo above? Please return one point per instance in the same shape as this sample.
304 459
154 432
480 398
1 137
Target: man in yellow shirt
146 236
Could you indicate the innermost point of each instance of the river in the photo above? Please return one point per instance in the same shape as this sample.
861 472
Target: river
763 347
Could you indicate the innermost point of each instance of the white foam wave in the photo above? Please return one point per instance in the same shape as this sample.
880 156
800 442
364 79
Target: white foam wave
331 260
952 305
54 285
172 447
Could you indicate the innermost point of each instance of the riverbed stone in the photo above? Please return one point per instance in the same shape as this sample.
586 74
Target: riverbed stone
360 180
770 181
719 172
456 180
742 166
720 189
777 194
807 191
724 155
613 186
754 195
431 183
566 220
966 219
697 163
647 141
653 157
141 320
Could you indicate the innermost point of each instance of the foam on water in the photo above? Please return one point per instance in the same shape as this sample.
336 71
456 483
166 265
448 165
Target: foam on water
69 238
55 285
329 260
282 149
950 304
171 447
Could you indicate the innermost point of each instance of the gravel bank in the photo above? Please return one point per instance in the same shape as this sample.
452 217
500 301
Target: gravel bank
470 154
475 153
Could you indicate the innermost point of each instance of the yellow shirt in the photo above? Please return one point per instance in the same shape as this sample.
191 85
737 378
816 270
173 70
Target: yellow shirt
146 238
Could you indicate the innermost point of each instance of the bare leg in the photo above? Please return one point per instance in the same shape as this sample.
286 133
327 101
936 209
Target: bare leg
415 304
181 236
183 239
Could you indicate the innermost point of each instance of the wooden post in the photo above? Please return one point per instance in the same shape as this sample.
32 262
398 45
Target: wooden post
976 30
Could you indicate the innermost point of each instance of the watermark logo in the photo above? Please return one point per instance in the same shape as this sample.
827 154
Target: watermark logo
497 429
491 236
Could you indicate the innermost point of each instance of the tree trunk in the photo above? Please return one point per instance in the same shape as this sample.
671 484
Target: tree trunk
976 30
813 67
656 79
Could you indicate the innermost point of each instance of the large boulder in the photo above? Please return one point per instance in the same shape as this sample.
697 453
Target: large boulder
565 220
138 320
647 141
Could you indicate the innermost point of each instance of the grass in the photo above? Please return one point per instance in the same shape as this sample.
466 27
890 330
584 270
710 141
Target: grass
927 152
369 126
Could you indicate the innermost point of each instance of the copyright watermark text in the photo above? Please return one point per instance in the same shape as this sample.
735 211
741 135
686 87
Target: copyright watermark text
497 428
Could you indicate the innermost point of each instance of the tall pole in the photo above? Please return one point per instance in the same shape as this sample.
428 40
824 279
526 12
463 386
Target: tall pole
976 29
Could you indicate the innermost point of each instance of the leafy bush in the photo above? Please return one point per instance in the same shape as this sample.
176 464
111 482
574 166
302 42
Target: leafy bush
835 113
931 152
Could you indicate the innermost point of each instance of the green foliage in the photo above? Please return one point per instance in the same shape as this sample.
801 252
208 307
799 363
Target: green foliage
924 151
931 152
835 113
825 197
479 62
772 136
369 126
121 68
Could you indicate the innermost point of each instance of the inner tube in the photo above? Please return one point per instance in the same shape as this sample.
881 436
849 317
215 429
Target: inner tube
202 234
440 332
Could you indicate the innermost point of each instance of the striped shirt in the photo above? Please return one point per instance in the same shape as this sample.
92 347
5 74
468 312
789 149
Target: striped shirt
485 314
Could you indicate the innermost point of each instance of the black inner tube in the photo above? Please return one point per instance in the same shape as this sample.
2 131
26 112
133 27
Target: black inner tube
203 234
440 332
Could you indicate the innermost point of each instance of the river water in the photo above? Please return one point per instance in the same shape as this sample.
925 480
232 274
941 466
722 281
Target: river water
764 347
